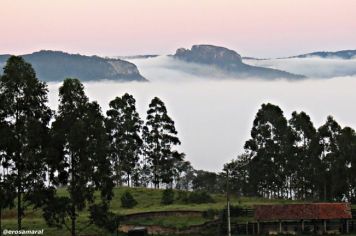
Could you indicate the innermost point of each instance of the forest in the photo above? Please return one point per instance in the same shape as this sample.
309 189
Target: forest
292 159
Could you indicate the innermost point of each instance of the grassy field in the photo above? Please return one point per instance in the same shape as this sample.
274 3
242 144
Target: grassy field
148 200
170 221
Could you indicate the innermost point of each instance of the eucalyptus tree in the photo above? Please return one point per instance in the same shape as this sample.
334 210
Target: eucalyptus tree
351 164
161 140
328 152
268 150
7 188
24 119
124 127
238 170
6 201
302 162
205 181
184 176
295 160
344 169
81 162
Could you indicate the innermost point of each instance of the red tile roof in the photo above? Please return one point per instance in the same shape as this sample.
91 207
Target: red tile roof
312 211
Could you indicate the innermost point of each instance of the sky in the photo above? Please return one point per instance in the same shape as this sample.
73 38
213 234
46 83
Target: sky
261 28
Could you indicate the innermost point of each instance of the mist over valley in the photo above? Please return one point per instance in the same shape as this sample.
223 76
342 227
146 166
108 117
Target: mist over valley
214 115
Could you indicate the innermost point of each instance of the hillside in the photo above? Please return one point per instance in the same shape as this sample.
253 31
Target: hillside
56 66
229 62
344 54
148 200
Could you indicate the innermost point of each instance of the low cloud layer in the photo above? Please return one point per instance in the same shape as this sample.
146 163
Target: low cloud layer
168 69
214 118
313 67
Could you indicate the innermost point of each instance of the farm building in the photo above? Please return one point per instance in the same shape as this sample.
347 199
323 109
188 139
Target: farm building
314 218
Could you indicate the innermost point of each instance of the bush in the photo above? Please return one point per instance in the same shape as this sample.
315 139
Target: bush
167 197
199 198
127 200
210 213
182 196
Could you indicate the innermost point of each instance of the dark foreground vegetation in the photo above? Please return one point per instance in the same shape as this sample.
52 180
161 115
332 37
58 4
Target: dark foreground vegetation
58 170
148 200
292 159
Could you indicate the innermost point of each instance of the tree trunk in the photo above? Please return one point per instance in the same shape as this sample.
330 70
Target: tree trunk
155 177
19 210
73 213
73 218
0 220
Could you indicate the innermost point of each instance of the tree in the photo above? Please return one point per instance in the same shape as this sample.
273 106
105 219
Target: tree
205 181
328 153
296 160
127 200
7 190
80 160
302 162
344 174
348 149
185 176
167 197
24 119
238 174
161 138
124 127
268 150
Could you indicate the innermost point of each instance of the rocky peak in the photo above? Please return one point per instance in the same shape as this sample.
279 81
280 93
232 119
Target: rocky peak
209 54
228 62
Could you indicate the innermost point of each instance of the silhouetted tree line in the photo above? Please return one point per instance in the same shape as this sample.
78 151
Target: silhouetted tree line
293 159
78 148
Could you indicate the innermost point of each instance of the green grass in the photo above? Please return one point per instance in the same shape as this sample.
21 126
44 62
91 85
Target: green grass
169 221
148 200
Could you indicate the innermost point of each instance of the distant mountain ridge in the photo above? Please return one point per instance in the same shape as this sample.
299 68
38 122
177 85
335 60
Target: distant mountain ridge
138 56
344 54
57 65
229 62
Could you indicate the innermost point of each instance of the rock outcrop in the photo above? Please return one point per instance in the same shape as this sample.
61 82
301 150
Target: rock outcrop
229 62
56 66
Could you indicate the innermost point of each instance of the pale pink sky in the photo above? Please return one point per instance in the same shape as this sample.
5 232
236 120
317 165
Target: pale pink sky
264 28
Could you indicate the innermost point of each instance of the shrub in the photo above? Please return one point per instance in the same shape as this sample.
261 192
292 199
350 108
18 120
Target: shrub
127 200
200 197
167 197
182 196
210 213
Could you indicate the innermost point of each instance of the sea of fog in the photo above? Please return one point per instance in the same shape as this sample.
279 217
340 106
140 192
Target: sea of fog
214 117
313 67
